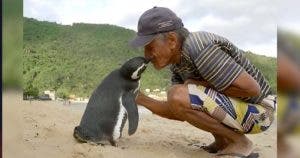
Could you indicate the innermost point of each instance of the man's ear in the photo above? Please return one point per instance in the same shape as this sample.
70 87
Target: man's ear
172 39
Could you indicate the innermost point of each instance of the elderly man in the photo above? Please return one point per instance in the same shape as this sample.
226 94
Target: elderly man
201 59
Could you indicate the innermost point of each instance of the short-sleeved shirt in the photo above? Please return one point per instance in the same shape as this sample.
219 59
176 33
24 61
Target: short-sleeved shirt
207 56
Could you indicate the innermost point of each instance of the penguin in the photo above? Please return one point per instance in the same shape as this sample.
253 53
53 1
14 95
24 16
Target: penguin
111 104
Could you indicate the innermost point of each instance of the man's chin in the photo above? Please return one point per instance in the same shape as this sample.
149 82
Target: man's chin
158 67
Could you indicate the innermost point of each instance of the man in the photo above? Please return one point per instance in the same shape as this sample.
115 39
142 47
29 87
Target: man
200 58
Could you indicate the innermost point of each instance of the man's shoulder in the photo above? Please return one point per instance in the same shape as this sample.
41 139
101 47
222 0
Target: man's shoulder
193 35
202 33
196 41
202 37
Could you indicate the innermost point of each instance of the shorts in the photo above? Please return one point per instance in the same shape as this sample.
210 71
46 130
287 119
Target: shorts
234 113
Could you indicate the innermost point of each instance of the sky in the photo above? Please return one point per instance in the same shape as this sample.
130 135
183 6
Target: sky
288 15
250 25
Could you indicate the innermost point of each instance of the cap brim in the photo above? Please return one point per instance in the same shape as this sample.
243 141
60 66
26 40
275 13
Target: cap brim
141 41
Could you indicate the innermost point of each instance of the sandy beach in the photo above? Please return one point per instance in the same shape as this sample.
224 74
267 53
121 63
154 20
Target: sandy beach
48 128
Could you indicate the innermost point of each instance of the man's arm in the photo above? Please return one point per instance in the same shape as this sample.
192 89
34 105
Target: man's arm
220 69
243 86
160 108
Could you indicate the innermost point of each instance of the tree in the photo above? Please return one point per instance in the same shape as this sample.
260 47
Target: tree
30 91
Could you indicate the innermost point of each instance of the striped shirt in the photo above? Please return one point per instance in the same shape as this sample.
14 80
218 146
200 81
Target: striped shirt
207 56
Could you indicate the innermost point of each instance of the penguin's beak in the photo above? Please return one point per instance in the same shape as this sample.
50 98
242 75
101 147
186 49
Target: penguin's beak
148 60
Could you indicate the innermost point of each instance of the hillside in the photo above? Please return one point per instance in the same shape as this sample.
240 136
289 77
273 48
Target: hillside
74 59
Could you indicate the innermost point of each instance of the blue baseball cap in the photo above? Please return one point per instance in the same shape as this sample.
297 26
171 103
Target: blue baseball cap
154 21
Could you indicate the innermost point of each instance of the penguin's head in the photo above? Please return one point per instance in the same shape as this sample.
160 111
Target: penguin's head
134 67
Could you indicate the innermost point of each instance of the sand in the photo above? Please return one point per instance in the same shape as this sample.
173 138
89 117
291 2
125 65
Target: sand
48 128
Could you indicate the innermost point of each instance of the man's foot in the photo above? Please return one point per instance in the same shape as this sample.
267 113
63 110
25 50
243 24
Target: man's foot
220 143
215 146
243 147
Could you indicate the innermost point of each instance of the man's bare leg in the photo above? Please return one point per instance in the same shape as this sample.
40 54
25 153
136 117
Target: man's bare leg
162 109
239 143
178 108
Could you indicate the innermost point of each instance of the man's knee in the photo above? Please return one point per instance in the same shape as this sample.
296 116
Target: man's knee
178 99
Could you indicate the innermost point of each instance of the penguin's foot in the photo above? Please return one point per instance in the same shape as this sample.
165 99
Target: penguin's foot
95 143
113 143
79 138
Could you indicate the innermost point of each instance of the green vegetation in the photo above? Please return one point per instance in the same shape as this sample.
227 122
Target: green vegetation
74 59
12 33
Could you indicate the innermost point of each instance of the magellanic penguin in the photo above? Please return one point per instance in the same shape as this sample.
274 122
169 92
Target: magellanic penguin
111 103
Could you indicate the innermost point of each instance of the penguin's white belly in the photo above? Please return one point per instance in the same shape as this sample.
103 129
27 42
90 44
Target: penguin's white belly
117 129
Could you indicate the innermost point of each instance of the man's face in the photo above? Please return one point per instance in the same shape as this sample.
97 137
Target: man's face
159 51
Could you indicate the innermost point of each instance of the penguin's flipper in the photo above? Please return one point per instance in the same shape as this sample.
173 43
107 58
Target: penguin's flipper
128 100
